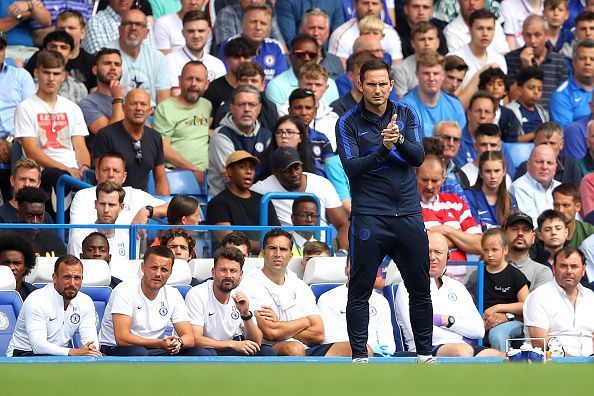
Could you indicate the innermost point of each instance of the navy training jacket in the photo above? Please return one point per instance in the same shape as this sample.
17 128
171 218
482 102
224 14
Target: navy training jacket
382 181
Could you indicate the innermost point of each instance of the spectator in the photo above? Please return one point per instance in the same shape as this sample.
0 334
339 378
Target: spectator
519 231
183 210
95 246
478 52
548 314
434 146
513 13
481 110
237 240
141 146
455 317
526 108
37 331
237 205
169 28
304 213
239 130
567 201
316 23
143 66
304 49
50 128
289 11
576 134
108 204
105 106
446 214
555 14
488 199
350 99
505 290
423 39
343 36
457 32
288 176
183 122
450 134
570 101
431 105
583 29
551 134
18 254
534 190
104 27
419 11
195 32
124 332
17 19
180 242
586 163
270 53
552 237
455 70
314 249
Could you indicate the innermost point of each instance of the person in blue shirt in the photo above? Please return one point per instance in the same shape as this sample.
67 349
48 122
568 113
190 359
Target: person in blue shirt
570 101
427 98
575 135
489 201
289 14
526 108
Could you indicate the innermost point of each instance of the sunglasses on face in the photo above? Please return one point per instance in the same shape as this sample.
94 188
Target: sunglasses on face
302 54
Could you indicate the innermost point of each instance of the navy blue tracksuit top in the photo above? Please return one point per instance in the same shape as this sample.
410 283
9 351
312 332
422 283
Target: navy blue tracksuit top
382 181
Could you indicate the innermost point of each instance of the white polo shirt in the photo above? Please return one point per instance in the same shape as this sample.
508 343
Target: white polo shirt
291 300
180 56
532 197
451 299
219 321
45 328
343 38
549 308
332 306
149 318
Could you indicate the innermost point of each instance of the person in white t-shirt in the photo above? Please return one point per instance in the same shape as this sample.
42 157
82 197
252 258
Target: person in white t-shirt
140 310
109 203
168 28
50 316
455 317
51 128
220 315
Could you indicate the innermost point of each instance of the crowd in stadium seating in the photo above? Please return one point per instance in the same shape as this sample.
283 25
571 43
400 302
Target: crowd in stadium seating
187 112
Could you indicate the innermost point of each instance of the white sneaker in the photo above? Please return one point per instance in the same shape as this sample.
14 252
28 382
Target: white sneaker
426 359
360 360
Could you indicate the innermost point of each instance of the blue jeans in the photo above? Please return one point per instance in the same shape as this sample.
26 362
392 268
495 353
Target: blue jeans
500 333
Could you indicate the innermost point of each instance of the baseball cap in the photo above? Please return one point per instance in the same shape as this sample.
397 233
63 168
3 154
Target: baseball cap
3 37
284 157
241 155
518 217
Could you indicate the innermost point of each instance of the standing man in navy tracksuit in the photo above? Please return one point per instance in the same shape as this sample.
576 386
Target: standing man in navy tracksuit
379 143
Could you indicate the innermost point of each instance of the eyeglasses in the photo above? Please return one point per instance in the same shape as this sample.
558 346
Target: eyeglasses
286 132
137 146
249 105
134 23
307 215
450 138
301 54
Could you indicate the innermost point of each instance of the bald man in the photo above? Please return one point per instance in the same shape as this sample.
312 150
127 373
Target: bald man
534 190
140 145
455 317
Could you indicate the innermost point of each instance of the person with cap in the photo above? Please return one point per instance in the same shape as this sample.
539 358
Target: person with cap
236 204
288 176
519 230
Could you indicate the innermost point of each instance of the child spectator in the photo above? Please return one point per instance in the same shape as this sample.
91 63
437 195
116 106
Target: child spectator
372 25
556 13
526 107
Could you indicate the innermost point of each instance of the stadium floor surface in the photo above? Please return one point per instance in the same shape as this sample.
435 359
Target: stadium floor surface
305 376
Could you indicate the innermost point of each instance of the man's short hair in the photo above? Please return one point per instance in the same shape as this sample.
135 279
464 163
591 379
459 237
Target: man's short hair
94 234
194 63
437 159
58 36
480 14
67 259
444 123
584 16
313 71
195 15
550 214
245 88
50 60
19 243
530 19
25 163
179 233
277 232
548 129
496 231
239 47
315 12
422 27
482 95
358 58
316 247
454 62
159 250
258 7
236 238
528 73
582 44
249 69
300 93
433 146
430 59
108 187
303 38
107 51
31 195
112 154
487 130
303 199
374 64
567 251
180 206
490 74
66 14
569 190
229 253
555 3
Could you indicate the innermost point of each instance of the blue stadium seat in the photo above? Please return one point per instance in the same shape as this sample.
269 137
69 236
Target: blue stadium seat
320 288
390 294
10 306
100 296
180 182
183 289
515 154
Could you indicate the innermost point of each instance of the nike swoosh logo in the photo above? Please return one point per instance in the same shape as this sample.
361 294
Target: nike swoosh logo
482 212
139 307
210 314
52 319
363 133
577 100
342 312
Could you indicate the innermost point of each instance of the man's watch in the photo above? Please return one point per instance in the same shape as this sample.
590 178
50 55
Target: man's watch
248 316
451 321
150 210
510 316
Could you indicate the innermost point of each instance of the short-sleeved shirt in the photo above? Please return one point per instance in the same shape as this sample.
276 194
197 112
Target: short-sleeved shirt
503 287
227 207
115 138
53 127
150 318
180 56
340 181
186 128
168 32
218 91
95 106
569 103
17 85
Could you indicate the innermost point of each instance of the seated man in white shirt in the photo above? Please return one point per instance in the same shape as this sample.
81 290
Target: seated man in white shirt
563 308
455 317
140 310
284 306
230 328
109 203
332 306
50 316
